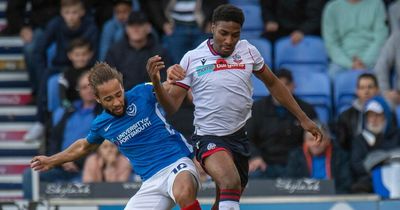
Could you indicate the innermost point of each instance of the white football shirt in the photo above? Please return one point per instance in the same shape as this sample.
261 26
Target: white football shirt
221 86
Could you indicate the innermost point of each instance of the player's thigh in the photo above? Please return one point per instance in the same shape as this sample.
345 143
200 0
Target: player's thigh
184 176
149 201
221 167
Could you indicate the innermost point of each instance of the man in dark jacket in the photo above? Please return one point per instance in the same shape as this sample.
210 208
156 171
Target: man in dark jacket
377 134
273 132
130 54
320 161
349 124
295 18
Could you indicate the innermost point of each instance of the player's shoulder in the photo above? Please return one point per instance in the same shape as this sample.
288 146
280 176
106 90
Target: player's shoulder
199 50
140 87
244 44
101 120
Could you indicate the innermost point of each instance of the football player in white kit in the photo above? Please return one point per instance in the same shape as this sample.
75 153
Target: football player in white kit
218 73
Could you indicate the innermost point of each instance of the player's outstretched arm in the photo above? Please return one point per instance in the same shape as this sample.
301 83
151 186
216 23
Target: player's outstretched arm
170 98
77 150
283 95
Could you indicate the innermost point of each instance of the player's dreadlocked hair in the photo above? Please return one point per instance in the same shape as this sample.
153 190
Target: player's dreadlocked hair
101 73
228 12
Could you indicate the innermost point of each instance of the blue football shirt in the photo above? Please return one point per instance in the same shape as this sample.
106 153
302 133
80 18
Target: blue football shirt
142 134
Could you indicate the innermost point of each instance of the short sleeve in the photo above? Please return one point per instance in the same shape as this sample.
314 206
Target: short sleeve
186 83
94 137
145 91
257 58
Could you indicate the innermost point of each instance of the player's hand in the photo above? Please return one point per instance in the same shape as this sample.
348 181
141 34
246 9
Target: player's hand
175 73
257 163
311 127
154 65
41 163
70 167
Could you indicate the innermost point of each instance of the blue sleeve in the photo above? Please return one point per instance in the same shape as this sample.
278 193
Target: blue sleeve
94 137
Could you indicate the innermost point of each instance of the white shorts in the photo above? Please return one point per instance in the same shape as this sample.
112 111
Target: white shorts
156 192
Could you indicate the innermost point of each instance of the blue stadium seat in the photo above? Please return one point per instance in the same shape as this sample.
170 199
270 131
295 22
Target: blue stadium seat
264 46
253 25
259 89
309 53
315 88
53 93
345 89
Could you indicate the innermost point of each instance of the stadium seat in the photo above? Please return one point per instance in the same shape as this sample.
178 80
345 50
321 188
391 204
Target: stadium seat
253 24
259 89
264 46
315 88
309 53
53 93
345 89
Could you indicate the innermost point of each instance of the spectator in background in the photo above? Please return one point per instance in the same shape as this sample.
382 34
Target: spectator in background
183 30
72 24
130 54
80 53
394 16
69 125
378 133
113 29
390 59
350 121
354 32
273 131
292 18
320 161
106 165
30 26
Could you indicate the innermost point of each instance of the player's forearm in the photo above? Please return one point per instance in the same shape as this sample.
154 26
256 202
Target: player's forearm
167 102
77 150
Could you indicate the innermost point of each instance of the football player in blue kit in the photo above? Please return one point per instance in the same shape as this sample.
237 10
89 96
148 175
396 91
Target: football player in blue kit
135 122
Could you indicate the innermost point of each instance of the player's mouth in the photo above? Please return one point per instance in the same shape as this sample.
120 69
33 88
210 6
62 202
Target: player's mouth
118 110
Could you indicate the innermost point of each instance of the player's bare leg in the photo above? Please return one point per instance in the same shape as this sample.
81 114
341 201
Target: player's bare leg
222 169
185 191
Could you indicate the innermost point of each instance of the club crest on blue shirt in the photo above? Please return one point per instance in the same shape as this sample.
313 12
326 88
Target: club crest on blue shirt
131 110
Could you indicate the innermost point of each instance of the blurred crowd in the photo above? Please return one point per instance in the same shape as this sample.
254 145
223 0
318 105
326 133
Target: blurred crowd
63 39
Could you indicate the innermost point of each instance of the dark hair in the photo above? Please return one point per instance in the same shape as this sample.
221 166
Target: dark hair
79 42
368 76
137 17
284 73
68 3
101 73
127 2
228 12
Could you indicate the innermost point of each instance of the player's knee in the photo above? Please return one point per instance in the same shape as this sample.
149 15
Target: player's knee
230 182
185 195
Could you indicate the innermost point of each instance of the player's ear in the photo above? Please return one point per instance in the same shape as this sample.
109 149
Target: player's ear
212 28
